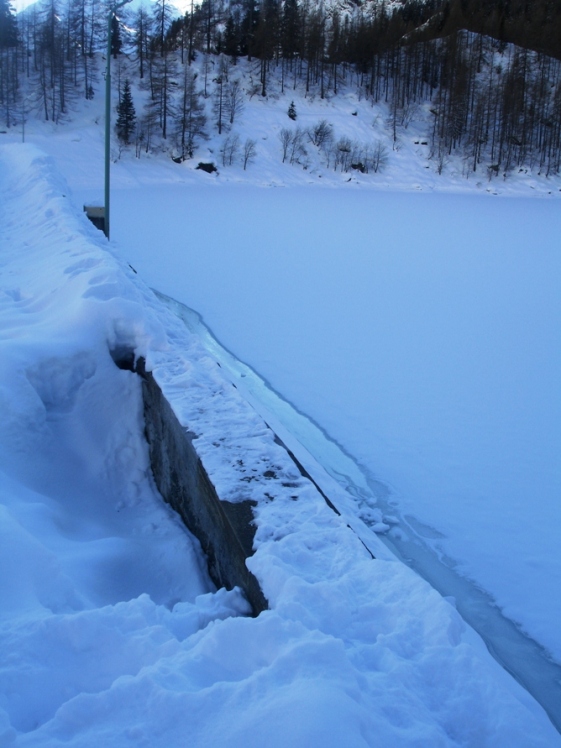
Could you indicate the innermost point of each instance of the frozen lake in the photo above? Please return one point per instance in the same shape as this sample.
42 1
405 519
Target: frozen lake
422 332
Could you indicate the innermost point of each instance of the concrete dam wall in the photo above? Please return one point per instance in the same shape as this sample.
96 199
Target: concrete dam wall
224 529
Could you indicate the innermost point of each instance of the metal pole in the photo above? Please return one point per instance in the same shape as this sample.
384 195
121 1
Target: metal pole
108 121
112 12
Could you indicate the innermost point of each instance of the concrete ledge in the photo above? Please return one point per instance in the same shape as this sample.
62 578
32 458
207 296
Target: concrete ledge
224 529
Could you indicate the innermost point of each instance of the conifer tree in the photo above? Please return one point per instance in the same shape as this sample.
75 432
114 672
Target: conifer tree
232 34
126 115
8 28
8 63
116 41
290 30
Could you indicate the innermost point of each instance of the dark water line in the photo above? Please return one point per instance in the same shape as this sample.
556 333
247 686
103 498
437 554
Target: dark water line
526 660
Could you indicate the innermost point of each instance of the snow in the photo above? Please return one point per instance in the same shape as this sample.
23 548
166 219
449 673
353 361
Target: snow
105 636
78 145
89 589
408 341
404 312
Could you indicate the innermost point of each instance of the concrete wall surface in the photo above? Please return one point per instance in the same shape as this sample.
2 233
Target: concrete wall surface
224 529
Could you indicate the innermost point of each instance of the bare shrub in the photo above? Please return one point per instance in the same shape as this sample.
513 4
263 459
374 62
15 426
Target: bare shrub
321 133
249 152
230 149
285 137
378 156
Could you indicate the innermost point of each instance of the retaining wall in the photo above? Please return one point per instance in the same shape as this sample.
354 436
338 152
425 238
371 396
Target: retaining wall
224 529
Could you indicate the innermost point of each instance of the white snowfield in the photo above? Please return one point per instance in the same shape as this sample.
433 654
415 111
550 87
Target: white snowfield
110 631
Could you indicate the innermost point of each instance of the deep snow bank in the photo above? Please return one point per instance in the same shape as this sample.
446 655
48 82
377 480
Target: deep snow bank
95 645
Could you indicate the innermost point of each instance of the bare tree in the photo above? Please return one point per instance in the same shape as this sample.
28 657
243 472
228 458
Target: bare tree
146 130
297 145
220 101
285 137
234 103
230 149
292 142
162 17
343 150
321 133
142 24
55 81
206 70
190 121
164 86
378 156
249 152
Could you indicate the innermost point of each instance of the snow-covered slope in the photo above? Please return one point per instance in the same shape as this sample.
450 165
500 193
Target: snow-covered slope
105 638
78 143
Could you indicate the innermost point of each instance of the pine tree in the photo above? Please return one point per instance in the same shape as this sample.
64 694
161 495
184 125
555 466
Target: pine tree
8 63
232 34
8 28
116 41
126 115
249 28
290 30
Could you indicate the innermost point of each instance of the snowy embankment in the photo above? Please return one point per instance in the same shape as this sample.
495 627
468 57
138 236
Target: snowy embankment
109 630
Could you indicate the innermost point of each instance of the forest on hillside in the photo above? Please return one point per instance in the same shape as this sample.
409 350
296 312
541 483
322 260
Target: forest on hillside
489 71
